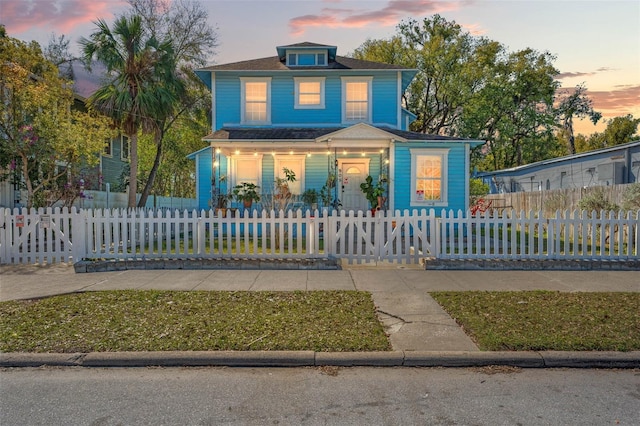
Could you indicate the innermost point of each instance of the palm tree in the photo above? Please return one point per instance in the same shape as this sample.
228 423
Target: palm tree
140 80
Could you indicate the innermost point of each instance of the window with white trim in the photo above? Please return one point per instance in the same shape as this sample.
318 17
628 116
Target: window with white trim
429 176
256 100
125 148
307 59
356 96
108 148
309 92
246 168
295 163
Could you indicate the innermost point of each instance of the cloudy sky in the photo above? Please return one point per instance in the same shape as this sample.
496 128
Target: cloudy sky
596 42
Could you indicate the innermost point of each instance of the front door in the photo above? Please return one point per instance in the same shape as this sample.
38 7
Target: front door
351 173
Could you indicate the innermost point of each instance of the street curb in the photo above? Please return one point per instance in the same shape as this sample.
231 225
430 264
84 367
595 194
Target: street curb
545 359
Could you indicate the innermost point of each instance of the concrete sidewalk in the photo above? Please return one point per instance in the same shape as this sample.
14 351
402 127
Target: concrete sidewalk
415 322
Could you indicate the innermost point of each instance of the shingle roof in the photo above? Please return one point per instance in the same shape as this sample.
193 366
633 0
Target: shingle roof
309 133
273 63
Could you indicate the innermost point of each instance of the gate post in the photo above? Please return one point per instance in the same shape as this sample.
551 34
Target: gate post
79 234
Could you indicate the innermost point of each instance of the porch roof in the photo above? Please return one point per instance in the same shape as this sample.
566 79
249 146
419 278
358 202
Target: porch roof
310 134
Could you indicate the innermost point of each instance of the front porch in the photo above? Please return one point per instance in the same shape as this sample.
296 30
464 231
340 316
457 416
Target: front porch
329 164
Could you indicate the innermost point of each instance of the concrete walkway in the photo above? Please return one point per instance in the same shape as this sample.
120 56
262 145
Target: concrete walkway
414 321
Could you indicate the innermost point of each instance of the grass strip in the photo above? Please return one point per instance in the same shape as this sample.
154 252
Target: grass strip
546 320
132 320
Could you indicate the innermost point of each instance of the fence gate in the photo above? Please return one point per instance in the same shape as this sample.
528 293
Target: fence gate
387 236
42 236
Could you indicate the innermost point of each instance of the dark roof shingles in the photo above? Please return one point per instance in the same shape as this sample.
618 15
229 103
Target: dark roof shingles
310 133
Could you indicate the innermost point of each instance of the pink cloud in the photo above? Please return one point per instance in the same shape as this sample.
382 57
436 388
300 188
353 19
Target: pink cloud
617 102
55 15
621 100
387 16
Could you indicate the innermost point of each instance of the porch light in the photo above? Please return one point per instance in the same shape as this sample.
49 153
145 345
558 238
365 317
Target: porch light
382 151
218 150
216 163
309 154
237 151
362 153
386 161
328 152
290 152
344 152
255 153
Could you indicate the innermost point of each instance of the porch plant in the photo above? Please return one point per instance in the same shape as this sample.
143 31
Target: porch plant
310 197
373 193
222 203
281 191
246 192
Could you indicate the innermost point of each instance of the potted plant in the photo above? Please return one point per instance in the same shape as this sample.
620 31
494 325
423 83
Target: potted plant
373 193
310 197
222 203
247 193
282 193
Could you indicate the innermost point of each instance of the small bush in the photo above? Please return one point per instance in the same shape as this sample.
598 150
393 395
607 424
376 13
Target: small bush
597 201
556 201
631 197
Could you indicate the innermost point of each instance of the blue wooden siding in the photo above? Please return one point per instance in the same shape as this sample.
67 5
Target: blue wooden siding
203 166
228 108
385 99
456 175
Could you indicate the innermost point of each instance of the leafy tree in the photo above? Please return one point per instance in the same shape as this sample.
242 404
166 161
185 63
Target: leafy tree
142 81
451 68
45 141
474 87
575 104
619 130
514 111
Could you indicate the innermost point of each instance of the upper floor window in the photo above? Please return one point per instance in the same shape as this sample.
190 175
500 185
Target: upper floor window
125 148
356 94
429 176
306 59
256 99
309 92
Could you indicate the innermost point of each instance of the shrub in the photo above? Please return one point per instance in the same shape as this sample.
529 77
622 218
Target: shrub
597 201
556 201
631 197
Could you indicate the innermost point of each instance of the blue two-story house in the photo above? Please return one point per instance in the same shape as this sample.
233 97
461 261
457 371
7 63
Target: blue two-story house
333 121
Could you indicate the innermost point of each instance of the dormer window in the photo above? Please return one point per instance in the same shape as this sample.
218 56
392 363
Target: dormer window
306 59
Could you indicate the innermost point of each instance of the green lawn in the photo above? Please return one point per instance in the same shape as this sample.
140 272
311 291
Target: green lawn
543 320
168 320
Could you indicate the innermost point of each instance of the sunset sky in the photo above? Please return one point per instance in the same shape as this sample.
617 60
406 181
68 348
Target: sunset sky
596 42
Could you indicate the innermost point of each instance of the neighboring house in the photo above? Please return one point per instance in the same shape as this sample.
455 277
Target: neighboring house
114 159
616 165
328 119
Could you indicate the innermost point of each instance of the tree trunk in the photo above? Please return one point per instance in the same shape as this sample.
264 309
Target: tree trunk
133 170
152 176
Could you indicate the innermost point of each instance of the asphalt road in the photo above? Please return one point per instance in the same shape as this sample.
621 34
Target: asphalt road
318 396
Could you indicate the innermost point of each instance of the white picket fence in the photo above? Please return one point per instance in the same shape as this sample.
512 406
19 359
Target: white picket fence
522 235
55 235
